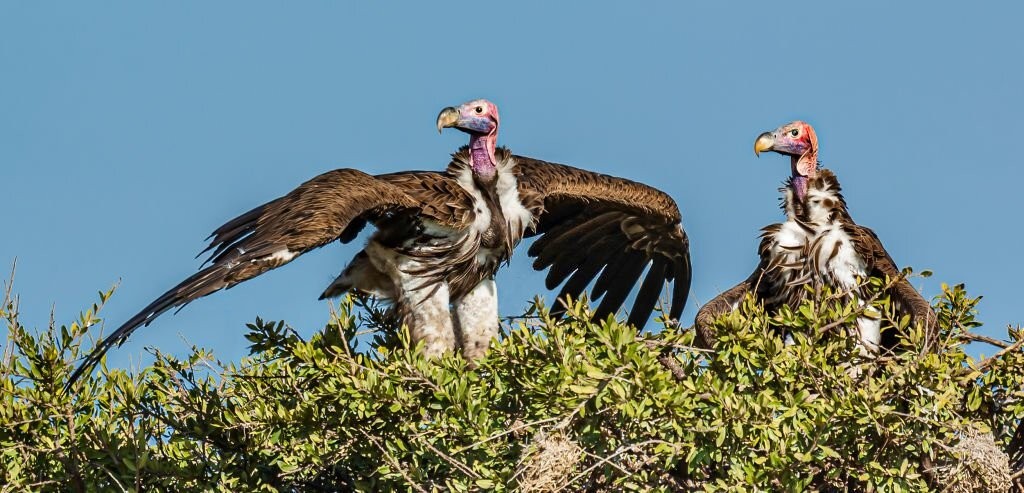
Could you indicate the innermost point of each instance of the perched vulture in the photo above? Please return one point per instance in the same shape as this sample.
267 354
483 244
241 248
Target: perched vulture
441 236
818 244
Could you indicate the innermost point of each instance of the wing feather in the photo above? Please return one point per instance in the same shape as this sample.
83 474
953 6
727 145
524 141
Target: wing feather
583 276
552 231
626 277
591 223
561 245
331 206
569 259
682 272
647 297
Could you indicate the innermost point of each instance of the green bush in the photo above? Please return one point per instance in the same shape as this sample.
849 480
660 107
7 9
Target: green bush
569 404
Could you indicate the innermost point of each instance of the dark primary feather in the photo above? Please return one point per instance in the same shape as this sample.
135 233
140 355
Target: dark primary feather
557 244
683 274
581 278
647 297
332 206
571 259
626 277
598 226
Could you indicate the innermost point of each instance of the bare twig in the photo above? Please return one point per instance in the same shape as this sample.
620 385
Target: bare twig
393 462
620 451
12 318
864 306
991 359
9 285
980 338
453 461
524 316
510 431
669 362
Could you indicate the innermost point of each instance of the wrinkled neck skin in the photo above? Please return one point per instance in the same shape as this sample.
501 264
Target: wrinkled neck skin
481 157
804 167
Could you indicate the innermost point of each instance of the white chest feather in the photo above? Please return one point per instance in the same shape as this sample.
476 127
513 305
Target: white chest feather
790 241
835 258
789 244
517 217
791 236
785 251
481 215
832 254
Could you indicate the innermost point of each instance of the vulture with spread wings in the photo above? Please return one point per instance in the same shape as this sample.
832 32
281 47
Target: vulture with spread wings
441 236
818 244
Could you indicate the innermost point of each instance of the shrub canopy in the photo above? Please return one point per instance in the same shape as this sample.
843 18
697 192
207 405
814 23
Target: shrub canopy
556 404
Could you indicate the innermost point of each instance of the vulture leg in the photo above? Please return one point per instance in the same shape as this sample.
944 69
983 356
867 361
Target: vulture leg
424 307
476 318
426 313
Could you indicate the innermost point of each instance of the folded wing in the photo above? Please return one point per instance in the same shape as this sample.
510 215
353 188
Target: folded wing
906 299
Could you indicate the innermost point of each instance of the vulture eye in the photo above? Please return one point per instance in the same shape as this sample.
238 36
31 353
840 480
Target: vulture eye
794 132
479 109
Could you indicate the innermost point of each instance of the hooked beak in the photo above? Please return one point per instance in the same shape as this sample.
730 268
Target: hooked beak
466 120
764 142
447 118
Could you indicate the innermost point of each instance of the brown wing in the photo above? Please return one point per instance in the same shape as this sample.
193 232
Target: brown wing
598 226
333 206
724 303
905 298
778 280
439 197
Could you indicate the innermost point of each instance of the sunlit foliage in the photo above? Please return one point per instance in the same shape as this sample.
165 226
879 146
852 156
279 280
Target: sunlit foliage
556 405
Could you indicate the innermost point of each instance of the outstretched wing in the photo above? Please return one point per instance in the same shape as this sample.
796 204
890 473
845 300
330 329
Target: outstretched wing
906 299
333 206
598 226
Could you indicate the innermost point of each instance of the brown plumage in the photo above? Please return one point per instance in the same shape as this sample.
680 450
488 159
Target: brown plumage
819 244
441 236
333 206
868 248
589 221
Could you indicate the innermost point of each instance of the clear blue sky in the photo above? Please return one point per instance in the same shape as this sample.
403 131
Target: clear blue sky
130 131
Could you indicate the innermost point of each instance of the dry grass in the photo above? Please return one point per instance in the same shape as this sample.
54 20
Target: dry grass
549 463
983 467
